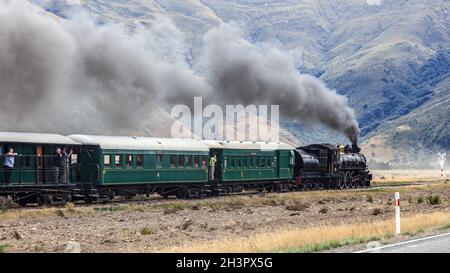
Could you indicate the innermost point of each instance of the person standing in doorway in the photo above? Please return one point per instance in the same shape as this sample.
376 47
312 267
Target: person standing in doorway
212 166
8 164
58 166
67 162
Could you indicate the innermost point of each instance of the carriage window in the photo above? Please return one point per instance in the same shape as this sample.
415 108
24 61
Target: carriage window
244 162
231 162
262 162
268 163
189 161
107 160
140 161
181 161
27 162
74 159
204 159
159 161
251 162
238 162
274 162
197 162
173 161
129 161
117 160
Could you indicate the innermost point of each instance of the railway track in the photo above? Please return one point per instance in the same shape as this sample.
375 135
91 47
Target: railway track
159 199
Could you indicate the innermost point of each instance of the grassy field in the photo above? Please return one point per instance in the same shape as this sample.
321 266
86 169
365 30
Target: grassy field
306 221
390 176
320 237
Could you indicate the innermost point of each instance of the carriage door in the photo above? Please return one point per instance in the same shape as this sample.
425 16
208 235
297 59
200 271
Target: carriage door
40 169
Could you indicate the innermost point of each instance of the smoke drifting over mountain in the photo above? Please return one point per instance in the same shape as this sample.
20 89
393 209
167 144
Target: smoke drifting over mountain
57 69
54 69
243 73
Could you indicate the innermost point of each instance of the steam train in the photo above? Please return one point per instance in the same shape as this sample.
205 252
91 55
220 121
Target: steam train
103 167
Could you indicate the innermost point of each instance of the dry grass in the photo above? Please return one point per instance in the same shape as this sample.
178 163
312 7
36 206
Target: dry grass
404 176
2 248
289 200
67 211
288 240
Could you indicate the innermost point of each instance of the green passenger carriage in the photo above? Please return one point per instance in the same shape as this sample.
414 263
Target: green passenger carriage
264 163
33 177
141 164
33 164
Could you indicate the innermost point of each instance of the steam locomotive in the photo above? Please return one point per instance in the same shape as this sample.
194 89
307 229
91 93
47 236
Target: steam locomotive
102 167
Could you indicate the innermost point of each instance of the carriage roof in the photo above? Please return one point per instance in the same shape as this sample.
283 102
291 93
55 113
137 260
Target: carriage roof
247 145
37 138
141 143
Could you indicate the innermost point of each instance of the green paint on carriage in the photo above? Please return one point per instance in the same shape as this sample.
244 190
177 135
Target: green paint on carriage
246 161
33 164
142 160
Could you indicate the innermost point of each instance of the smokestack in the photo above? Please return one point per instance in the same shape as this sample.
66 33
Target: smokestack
355 148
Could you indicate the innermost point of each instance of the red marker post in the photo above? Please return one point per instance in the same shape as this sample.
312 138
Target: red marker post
397 213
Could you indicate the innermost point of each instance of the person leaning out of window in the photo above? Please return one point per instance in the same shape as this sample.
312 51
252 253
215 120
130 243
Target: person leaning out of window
8 165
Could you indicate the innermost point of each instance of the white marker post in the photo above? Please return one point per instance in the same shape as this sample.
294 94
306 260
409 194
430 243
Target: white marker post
397 213
441 160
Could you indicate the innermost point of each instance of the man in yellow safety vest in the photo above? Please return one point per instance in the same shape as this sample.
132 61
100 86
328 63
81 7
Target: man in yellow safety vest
212 166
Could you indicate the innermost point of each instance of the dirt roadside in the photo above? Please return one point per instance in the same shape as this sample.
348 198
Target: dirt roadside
153 226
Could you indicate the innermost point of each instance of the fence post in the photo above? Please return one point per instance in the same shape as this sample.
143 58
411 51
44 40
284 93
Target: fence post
397 213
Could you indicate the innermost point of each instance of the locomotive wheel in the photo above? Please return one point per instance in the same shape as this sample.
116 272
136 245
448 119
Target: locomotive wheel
347 180
341 183
352 183
360 183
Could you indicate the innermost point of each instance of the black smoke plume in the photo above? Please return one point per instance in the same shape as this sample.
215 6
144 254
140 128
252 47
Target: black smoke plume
65 71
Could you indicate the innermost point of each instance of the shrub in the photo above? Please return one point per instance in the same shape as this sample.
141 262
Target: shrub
60 213
376 211
323 210
70 207
298 207
434 200
7 203
146 231
2 248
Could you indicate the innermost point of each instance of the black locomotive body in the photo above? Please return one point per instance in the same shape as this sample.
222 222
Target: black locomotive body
319 166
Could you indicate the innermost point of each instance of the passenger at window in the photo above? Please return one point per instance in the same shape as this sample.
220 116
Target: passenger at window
8 164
